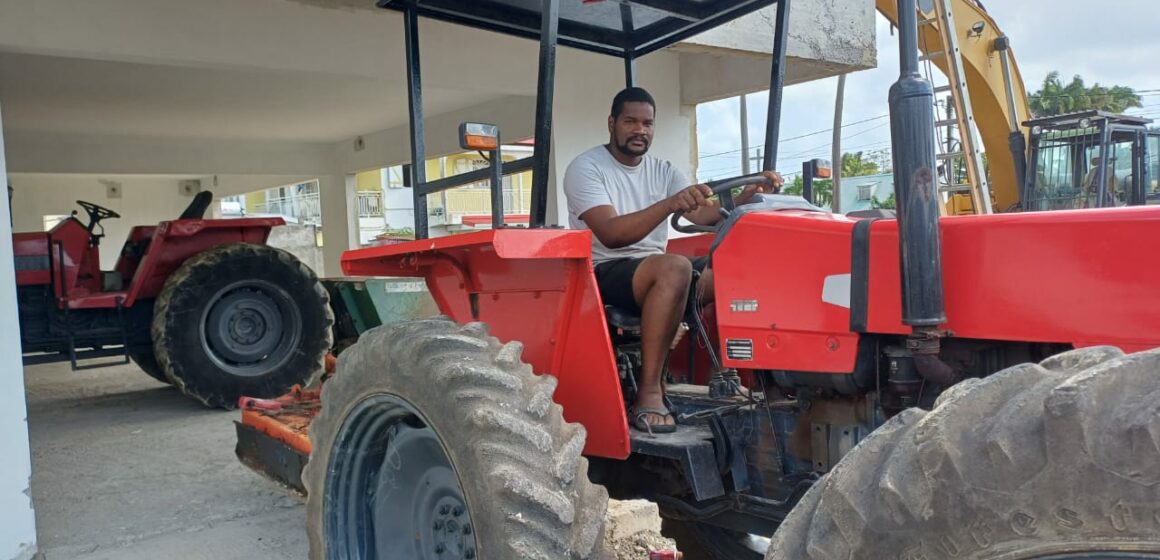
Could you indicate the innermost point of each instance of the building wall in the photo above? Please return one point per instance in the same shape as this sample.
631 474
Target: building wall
302 242
143 200
586 84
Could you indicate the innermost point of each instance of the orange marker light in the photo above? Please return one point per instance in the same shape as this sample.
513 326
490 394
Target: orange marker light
478 136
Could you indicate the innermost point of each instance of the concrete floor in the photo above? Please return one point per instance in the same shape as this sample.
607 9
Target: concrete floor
126 468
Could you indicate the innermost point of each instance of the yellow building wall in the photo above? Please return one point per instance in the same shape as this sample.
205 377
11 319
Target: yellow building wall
475 199
369 181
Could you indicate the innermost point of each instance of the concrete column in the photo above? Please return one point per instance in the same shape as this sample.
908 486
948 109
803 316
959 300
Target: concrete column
17 522
585 86
337 194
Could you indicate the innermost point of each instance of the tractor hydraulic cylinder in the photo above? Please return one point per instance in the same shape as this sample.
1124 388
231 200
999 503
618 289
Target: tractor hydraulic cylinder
916 182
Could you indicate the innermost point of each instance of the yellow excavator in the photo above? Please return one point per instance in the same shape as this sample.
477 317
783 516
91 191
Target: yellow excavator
1090 159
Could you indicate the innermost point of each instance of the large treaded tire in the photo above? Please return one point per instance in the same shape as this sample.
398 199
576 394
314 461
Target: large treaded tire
1059 460
148 364
517 461
193 293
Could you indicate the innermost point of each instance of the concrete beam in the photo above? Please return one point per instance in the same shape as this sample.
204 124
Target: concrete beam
837 32
708 76
46 152
268 35
514 114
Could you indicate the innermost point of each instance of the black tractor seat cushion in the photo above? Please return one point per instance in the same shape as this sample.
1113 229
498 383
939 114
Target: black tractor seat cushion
622 318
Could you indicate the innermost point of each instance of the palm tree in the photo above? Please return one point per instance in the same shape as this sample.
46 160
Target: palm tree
823 190
1055 98
855 165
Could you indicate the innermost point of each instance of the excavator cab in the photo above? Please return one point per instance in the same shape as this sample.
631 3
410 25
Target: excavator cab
1092 159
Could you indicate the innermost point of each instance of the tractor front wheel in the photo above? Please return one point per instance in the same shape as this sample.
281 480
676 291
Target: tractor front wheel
437 442
241 320
1057 460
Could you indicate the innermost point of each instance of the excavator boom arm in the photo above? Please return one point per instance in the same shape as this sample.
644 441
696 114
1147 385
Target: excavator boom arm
995 108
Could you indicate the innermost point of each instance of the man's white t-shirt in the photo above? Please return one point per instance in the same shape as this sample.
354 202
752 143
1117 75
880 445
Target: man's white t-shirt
595 178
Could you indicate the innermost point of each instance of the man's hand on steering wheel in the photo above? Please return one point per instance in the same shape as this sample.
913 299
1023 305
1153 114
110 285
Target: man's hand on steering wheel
772 184
697 196
690 199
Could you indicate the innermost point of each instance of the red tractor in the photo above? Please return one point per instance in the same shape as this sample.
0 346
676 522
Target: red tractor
866 386
204 305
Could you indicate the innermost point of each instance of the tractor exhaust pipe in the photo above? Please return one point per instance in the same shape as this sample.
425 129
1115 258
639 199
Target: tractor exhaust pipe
916 188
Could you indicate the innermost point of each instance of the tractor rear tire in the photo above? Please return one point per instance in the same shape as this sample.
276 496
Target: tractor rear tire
148 364
241 320
480 460
1056 460
700 541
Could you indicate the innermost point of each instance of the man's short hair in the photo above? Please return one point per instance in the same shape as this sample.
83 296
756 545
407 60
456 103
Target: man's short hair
631 95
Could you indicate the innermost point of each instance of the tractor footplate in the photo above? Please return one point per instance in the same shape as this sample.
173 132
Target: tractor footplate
692 446
273 435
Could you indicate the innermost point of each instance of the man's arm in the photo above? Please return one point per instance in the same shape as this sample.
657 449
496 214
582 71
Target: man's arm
709 214
615 231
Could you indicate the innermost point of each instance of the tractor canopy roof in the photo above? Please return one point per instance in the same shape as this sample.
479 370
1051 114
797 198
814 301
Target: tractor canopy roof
623 28
1077 120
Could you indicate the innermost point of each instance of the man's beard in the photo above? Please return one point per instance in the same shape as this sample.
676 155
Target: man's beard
626 148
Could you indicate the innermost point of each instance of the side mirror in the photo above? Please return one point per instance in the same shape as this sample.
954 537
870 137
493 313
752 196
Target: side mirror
478 136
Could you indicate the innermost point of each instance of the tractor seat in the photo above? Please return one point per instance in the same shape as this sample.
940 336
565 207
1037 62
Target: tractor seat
622 319
196 209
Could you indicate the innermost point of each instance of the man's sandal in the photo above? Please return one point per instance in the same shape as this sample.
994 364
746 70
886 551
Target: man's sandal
638 420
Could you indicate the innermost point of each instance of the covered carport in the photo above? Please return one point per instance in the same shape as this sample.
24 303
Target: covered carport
138 104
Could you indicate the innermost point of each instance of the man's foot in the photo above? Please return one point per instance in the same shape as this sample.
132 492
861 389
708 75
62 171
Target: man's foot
649 414
646 420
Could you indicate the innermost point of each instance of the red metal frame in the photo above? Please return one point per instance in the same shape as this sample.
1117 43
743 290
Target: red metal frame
1074 277
1081 278
169 245
532 286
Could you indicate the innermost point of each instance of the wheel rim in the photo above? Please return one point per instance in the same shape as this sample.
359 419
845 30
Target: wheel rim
1100 555
391 490
250 328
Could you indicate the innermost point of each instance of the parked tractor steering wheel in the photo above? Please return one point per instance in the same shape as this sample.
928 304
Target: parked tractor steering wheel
722 188
96 214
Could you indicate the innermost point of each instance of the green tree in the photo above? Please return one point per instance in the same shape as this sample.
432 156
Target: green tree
856 165
823 190
1057 98
887 204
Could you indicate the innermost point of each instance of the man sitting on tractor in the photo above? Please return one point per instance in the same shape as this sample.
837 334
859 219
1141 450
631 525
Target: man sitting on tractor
625 197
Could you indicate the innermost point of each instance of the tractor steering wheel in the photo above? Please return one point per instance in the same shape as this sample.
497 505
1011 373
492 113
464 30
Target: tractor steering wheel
96 214
723 189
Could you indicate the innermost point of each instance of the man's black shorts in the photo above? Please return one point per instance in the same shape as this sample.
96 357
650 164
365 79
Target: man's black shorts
614 279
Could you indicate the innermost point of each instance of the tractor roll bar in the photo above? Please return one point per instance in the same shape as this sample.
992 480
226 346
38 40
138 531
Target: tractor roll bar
629 30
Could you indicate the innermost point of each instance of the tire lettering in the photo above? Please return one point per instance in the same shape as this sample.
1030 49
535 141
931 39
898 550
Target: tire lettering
949 547
1024 524
914 553
1068 518
981 533
1120 517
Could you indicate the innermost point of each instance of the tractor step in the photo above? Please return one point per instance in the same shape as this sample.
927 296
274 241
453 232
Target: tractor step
692 447
270 456
52 358
273 435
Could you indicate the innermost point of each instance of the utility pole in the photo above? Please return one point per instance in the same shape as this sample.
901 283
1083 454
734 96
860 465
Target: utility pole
836 153
744 137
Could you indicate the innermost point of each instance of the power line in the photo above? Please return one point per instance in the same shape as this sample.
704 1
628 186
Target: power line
782 141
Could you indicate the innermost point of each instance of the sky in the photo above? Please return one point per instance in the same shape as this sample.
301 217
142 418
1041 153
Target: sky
1112 42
